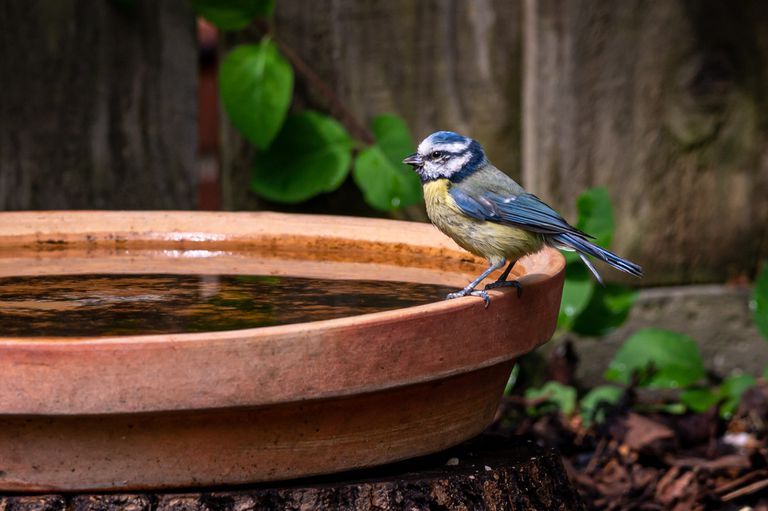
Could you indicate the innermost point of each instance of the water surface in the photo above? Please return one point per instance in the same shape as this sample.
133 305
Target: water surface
96 305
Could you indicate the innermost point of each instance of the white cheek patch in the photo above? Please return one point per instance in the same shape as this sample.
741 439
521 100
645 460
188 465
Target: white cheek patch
432 170
455 164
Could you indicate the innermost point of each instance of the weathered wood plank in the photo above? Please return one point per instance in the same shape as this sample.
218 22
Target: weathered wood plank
665 104
98 104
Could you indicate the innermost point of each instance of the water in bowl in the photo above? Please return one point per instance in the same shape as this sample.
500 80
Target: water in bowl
102 305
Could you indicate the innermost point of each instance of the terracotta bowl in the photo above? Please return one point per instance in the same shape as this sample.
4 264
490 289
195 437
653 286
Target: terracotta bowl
280 402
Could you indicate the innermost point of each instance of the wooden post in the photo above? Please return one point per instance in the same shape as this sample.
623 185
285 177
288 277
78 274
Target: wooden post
98 104
664 103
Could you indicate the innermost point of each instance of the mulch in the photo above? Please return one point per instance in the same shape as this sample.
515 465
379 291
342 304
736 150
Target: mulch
658 461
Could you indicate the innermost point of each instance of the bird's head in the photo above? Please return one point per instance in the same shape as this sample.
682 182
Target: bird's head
446 155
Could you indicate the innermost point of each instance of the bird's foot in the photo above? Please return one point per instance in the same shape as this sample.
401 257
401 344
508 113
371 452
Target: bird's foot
506 283
470 292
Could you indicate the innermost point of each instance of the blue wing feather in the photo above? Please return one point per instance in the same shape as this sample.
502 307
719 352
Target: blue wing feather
525 211
529 212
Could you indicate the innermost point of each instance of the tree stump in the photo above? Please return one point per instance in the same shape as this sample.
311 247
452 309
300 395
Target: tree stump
488 472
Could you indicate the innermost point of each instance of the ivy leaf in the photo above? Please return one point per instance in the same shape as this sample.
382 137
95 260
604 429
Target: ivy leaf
731 391
699 400
662 358
394 138
596 215
384 185
256 87
607 309
311 155
593 405
562 396
577 291
379 172
759 302
233 14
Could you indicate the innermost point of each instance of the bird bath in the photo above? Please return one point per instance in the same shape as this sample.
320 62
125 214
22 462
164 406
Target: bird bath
177 349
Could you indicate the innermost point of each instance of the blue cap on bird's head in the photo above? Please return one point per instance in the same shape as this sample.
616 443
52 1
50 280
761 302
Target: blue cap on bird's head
446 155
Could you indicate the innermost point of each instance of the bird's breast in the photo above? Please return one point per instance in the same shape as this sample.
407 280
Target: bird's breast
490 240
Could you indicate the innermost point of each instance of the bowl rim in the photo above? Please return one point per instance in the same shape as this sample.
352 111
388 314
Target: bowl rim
56 375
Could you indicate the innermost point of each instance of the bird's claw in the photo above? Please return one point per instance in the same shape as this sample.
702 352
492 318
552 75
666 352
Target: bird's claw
467 292
506 283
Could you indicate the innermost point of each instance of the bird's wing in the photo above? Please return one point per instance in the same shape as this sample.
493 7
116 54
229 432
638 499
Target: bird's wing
524 210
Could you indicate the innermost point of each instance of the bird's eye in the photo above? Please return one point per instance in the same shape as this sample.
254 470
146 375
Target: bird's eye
436 154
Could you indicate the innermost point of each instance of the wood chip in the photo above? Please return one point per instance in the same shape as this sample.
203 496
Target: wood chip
746 490
642 432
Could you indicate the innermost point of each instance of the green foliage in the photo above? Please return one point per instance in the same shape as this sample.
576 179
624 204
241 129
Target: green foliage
233 14
699 399
588 308
607 309
731 391
256 88
555 395
593 405
512 380
660 358
379 172
759 302
256 85
577 291
596 215
311 155
728 395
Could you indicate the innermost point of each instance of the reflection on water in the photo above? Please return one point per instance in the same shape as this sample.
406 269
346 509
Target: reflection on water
92 305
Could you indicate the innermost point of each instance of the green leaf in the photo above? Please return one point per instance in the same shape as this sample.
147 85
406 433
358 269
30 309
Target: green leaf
577 291
604 309
379 171
699 400
256 85
673 408
759 302
596 215
385 186
512 380
607 309
731 391
593 404
663 359
233 14
394 138
562 396
311 155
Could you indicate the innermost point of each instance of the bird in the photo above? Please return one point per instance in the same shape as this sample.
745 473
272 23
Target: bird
490 215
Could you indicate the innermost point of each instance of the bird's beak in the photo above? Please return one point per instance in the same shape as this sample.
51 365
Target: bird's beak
414 160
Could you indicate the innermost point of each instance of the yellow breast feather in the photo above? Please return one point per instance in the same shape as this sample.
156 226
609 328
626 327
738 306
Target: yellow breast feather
491 240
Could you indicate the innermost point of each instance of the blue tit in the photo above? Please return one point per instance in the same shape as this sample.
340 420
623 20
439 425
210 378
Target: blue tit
487 213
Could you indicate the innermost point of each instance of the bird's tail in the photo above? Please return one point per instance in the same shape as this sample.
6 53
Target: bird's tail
582 246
